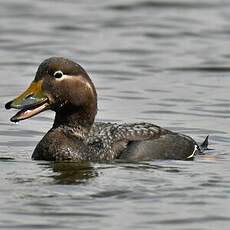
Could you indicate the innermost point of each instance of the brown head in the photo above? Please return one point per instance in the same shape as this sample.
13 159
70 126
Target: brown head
60 85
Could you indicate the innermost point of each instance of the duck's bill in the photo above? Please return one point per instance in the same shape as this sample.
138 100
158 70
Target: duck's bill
30 102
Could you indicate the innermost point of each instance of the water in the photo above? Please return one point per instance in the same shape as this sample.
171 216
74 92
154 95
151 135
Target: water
166 62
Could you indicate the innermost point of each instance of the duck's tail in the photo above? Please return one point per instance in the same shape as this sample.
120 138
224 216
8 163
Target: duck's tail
204 145
199 149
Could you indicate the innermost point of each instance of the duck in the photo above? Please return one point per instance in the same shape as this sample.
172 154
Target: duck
65 87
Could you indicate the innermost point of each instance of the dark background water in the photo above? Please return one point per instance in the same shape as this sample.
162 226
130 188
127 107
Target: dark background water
166 62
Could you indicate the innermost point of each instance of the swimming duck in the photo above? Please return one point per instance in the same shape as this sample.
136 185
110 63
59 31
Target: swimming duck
65 87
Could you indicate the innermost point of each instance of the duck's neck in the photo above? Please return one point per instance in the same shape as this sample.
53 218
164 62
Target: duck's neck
77 119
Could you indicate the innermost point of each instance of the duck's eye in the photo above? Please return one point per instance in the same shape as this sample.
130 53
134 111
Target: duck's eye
58 74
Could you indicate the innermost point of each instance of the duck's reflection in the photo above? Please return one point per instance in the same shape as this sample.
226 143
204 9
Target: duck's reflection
72 172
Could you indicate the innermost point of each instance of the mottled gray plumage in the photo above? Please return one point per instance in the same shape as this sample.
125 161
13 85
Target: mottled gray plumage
109 141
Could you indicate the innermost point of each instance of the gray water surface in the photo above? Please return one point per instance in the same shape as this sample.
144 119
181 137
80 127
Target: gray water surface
165 62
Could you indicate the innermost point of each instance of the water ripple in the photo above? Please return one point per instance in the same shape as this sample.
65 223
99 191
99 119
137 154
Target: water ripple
164 5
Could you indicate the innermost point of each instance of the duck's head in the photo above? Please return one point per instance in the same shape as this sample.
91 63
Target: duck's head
60 85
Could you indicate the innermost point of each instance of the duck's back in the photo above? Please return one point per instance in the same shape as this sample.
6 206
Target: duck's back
139 141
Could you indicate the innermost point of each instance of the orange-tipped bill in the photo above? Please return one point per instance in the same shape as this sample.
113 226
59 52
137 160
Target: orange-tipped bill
30 102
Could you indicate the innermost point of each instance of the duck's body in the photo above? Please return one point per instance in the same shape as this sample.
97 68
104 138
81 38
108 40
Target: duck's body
63 86
109 141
